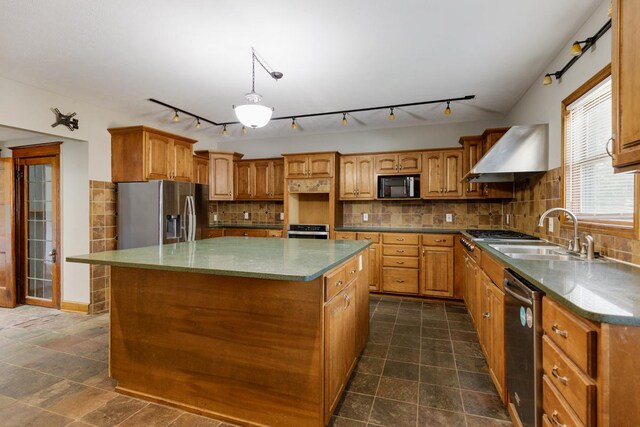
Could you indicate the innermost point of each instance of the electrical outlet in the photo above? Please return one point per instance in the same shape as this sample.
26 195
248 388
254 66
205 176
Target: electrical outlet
365 217
247 215
550 226
215 217
281 216
449 217
508 219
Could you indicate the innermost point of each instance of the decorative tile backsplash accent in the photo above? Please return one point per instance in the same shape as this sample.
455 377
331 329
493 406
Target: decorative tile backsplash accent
424 213
534 196
103 198
260 212
309 185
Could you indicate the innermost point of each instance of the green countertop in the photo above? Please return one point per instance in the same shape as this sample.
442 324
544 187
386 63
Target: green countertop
400 230
299 260
602 290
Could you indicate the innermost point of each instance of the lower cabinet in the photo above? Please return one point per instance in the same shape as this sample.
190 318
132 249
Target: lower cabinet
374 254
471 288
400 263
436 273
244 232
491 332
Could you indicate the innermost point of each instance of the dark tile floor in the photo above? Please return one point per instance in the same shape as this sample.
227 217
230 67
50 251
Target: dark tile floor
422 367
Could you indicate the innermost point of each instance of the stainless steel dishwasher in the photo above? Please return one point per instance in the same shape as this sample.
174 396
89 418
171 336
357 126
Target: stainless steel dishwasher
523 339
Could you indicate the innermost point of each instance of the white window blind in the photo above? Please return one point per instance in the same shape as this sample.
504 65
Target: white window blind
592 191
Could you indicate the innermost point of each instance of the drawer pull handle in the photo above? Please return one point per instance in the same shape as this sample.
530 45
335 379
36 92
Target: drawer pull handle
555 328
352 271
399 239
554 372
440 240
367 238
399 262
554 418
400 281
400 251
486 314
339 283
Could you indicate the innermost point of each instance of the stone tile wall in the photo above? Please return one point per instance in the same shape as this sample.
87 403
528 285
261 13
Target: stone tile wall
425 213
535 196
261 212
103 238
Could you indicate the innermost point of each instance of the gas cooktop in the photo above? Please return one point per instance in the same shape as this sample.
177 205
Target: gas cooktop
499 235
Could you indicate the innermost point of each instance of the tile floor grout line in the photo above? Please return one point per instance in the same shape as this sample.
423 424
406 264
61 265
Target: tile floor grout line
464 411
383 365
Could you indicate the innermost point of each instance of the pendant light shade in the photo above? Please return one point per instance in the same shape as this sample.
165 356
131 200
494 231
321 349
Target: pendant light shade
253 114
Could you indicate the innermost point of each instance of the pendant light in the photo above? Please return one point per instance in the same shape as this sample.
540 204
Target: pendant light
392 116
253 114
447 111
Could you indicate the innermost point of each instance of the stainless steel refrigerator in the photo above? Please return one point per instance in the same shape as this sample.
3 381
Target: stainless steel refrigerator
161 212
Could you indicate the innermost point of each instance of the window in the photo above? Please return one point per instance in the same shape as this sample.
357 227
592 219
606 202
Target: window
591 190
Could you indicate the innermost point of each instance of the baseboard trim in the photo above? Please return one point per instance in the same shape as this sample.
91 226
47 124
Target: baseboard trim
74 307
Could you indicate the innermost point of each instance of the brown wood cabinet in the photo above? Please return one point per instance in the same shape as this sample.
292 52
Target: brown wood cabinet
140 153
259 179
625 63
442 172
400 263
201 169
436 275
221 174
398 163
313 165
472 151
491 332
356 177
471 287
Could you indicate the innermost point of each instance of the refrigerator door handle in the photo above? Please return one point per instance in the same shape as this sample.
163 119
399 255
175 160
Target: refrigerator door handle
184 223
192 219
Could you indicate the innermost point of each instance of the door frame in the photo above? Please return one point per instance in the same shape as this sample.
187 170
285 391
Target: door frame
8 293
47 150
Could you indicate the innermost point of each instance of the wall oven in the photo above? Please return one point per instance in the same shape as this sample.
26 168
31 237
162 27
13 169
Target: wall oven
308 231
399 187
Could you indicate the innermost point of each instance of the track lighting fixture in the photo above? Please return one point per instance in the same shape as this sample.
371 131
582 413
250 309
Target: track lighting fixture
392 116
253 114
294 125
198 125
224 130
176 117
447 111
577 49
344 118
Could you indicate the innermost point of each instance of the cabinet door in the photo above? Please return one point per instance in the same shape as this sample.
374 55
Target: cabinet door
242 181
364 177
386 163
348 177
277 175
220 177
296 166
374 267
431 179
484 322
410 163
262 179
437 271
497 367
183 165
472 152
451 173
321 165
159 156
200 170
625 63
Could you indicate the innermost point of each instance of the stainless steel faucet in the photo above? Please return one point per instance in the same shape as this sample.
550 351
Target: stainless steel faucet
576 237
591 255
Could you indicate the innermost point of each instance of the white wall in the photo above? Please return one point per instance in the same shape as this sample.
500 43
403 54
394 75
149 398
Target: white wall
407 138
542 104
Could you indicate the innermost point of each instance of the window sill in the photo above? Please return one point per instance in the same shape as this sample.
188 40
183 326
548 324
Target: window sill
618 230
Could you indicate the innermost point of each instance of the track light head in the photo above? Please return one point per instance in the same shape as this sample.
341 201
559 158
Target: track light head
447 111
198 125
576 49
224 130
294 125
176 117
344 118
547 79
244 130
392 116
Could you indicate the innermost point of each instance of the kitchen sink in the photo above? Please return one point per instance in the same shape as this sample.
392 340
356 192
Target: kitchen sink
546 257
537 252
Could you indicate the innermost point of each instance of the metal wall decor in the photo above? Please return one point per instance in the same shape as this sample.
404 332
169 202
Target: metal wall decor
65 120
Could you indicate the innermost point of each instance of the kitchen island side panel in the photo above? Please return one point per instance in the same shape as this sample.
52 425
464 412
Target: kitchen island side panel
242 349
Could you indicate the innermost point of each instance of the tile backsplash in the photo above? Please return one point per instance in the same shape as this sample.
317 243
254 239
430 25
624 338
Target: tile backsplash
102 199
424 213
260 212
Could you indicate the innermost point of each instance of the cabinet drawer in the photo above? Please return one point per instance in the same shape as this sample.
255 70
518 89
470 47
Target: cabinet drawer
374 237
493 269
578 389
400 250
246 232
573 335
401 280
345 235
274 233
334 282
214 232
556 408
351 269
400 262
437 239
400 238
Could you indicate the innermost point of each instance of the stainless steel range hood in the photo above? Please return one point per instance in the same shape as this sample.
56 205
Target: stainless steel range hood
521 152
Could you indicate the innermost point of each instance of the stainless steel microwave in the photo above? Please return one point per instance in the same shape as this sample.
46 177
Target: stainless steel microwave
399 187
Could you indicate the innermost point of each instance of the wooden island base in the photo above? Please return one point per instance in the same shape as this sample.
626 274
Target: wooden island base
256 352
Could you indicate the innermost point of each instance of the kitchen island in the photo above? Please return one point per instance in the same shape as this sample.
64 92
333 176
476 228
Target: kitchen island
256 331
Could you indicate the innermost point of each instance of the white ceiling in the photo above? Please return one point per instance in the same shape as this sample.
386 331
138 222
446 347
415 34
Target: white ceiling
335 55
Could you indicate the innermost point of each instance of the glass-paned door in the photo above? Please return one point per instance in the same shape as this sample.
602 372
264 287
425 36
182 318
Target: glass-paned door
40 229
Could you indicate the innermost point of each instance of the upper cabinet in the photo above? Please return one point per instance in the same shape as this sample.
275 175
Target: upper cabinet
316 165
201 169
356 177
398 163
259 179
221 174
471 152
441 174
139 153
625 63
